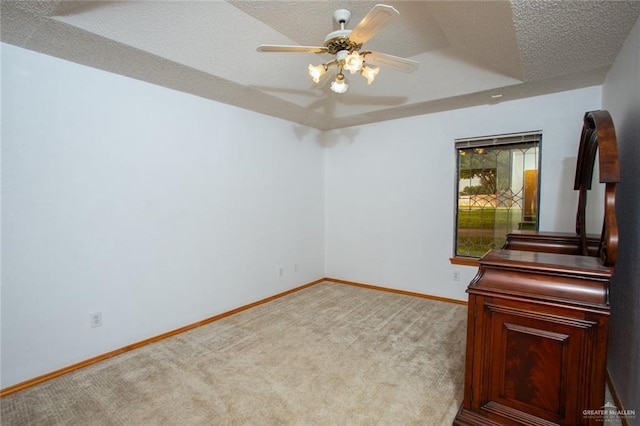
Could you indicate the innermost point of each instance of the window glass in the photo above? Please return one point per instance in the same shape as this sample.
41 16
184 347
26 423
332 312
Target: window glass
497 190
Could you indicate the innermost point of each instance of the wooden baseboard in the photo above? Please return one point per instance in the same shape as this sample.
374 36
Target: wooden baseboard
43 378
40 379
393 290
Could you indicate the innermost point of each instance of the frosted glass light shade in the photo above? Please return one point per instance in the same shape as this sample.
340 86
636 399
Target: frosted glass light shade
370 73
339 85
316 72
353 62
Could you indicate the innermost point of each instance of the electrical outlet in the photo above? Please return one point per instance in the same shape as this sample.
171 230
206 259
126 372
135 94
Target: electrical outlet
295 268
280 271
456 276
95 319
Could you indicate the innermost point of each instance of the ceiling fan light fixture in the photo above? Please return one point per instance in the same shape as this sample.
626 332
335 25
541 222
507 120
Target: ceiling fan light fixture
346 45
339 85
370 73
353 62
317 71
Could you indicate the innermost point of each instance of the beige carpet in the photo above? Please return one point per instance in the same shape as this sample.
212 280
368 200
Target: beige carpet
328 354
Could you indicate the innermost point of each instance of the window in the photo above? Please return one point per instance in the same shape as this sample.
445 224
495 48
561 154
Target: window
497 190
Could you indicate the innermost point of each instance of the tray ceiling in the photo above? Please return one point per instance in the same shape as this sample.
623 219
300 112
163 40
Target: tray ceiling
468 51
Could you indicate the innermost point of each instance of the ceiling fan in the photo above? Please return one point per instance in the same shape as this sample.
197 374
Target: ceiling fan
346 45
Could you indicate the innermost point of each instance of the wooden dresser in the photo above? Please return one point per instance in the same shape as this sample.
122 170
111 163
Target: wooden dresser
538 312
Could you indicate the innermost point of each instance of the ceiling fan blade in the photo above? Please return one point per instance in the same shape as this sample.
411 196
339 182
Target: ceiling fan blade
401 64
291 49
372 23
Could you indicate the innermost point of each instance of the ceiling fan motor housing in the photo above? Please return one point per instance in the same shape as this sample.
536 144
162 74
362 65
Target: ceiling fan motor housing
339 40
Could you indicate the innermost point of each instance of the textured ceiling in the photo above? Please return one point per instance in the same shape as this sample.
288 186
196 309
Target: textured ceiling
467 51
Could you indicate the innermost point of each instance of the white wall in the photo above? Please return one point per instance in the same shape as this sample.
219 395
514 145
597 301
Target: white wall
159 209
621 97
390 188
154 207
